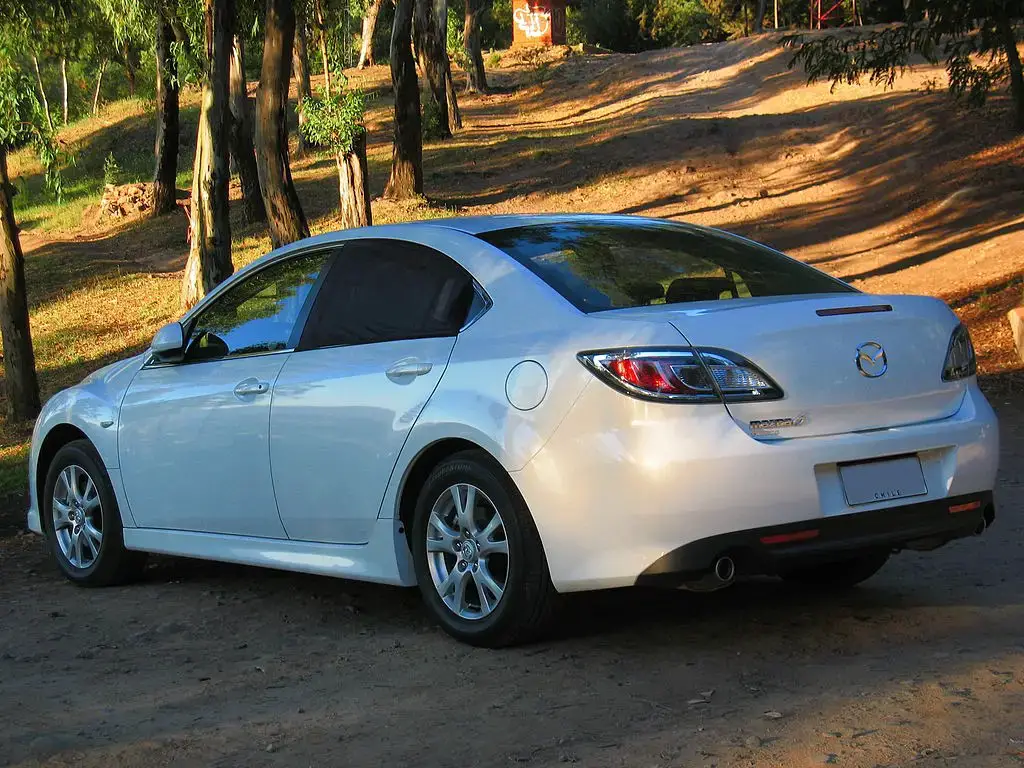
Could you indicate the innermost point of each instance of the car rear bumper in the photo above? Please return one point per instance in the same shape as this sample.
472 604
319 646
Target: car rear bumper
623 483
773 549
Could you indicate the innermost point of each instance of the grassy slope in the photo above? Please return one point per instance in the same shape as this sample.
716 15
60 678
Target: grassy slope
721 135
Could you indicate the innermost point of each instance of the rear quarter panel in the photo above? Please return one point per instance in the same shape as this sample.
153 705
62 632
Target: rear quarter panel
527 321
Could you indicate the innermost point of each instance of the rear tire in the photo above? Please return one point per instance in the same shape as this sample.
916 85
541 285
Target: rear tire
481 540
82 521
839 574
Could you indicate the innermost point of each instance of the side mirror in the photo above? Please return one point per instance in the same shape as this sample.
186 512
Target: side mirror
169 343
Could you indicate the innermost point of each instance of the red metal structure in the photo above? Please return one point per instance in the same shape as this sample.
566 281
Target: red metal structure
833 15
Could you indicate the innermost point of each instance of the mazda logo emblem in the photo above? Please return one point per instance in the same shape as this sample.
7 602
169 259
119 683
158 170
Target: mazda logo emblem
871 360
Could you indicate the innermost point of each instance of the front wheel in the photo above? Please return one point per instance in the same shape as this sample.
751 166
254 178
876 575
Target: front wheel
479 560
839 574
82 521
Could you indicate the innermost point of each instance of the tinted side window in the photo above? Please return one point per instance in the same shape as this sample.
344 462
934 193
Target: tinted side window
259 314
385 290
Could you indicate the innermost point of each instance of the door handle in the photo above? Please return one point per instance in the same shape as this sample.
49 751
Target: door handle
251 386
409 367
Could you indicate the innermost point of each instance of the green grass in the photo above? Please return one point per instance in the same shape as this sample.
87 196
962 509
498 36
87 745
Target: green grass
125 130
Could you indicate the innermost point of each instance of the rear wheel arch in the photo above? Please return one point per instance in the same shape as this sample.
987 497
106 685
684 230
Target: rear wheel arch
421 467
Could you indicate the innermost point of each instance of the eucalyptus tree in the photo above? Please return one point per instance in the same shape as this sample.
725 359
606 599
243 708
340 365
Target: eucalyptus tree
284 211
977 40
336 122
21 122
407 151
153 22
476 76
209 258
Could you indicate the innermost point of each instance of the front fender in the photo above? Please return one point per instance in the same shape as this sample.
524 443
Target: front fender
92 409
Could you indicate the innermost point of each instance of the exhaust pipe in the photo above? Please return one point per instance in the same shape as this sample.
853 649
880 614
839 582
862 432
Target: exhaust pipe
725 569
720 576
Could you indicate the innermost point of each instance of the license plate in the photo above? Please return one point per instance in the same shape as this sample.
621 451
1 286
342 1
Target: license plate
884 480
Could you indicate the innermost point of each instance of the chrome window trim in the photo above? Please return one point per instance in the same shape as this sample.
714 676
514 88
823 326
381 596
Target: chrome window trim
152 362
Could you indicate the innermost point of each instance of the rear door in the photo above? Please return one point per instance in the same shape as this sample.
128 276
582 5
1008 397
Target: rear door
374 348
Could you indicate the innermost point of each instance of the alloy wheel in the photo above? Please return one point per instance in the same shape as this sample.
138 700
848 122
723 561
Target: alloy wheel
77 516
467 551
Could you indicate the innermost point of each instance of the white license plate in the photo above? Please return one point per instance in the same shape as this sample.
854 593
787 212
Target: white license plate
885 480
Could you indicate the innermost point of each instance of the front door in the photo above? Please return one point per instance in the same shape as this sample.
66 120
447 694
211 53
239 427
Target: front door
193 436
375 347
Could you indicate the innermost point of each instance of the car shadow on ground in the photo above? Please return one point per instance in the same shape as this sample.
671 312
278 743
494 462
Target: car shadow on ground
629 615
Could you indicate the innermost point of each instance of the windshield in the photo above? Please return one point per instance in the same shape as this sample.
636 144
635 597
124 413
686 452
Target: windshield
611 266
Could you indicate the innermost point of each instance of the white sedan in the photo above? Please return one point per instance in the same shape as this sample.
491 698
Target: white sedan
501 409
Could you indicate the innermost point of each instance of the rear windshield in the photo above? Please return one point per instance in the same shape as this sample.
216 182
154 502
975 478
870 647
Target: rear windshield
612 266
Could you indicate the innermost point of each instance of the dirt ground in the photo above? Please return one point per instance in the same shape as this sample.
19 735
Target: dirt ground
204 664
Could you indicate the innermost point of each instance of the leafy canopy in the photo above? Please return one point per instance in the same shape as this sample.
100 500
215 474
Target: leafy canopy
335 121
975 38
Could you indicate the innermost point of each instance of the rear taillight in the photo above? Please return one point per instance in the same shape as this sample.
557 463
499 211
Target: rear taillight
686 375
960 360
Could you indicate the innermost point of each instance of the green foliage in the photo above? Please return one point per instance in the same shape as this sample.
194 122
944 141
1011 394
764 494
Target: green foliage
21 122
633 25
19 107
493 59
334 121
496 26
607 23
432 121
972 38
456 48
684 22
111 170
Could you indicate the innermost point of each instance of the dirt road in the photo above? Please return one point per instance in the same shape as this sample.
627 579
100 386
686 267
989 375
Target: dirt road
207 664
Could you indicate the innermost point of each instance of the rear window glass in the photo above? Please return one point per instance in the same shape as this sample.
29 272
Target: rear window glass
611 266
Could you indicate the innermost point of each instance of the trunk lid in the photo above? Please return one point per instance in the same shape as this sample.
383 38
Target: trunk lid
810 346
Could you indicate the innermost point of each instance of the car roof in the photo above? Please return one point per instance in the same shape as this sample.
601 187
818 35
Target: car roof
476 225
469 225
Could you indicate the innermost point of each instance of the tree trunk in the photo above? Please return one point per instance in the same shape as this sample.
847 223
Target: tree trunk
64 84
476 76
430 49
21 386
407 154
759 19
42 94
209 258
287 222
1014 67
129 70
166 150
454 113
776 14
241 137
354 185
369 26
322 26
301 66
96 93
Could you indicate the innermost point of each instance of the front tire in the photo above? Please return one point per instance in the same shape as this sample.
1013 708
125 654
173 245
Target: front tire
479 561
82 521
840 574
